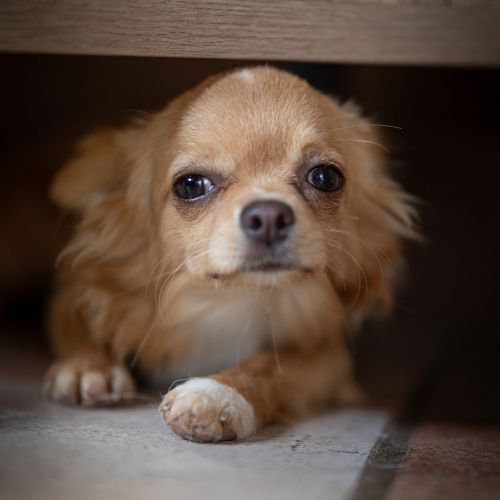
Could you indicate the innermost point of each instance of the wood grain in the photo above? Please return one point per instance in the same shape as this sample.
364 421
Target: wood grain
362 31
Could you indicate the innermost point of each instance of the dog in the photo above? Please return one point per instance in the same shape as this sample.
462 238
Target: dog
233 240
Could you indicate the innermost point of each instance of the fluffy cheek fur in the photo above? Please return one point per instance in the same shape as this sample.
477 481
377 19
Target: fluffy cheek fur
152 282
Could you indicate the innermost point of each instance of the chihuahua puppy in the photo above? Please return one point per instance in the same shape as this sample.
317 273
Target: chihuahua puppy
232 239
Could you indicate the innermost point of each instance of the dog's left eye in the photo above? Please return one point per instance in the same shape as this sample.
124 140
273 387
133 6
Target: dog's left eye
193 187
326 178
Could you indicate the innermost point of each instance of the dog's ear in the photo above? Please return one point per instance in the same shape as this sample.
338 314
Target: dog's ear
98 168
106 185
379 217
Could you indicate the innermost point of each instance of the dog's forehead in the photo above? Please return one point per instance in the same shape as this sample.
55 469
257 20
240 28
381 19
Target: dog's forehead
253 113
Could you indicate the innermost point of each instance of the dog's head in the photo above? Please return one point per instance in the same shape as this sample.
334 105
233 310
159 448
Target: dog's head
254 179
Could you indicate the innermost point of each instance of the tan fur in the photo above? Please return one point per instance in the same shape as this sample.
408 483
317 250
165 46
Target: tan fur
147 279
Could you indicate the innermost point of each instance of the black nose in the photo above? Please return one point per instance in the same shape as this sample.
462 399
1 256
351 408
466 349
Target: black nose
268 221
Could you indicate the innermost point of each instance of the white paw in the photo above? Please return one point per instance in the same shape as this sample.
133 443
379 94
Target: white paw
204 410
81 381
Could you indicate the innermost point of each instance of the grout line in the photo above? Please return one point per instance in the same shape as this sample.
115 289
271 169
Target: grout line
385 459
388 453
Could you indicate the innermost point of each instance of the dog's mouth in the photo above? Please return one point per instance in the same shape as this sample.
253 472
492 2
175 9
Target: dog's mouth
266 267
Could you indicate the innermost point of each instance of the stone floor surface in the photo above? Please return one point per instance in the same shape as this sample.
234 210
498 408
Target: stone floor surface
53 452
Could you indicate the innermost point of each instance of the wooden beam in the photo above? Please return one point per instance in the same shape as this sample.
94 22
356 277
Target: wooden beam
427 33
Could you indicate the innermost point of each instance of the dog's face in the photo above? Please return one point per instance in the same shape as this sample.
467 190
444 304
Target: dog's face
253 178
257 185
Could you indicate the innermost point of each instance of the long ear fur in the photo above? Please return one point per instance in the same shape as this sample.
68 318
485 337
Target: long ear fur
98 167
379 217
112 215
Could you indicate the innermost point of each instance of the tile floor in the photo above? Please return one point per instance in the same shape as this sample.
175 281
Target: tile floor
52 452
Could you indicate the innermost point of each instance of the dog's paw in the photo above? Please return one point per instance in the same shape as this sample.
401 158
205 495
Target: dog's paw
204 410
87 382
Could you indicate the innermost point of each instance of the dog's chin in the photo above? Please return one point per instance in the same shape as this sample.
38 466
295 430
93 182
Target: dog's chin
263 275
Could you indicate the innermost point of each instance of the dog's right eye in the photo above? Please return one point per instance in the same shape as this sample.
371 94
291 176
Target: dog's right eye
326 178
193 187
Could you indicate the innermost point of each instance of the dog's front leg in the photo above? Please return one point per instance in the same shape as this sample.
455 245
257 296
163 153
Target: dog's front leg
85 372
268 387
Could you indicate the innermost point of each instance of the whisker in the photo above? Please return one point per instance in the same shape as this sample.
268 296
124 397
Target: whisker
142 344
248 323
275 350
177 380
381 125
172 275
370 247
361 271
368 142
156 319
158 265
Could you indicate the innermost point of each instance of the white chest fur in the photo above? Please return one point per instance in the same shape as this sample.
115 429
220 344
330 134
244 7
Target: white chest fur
218 336
216 331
